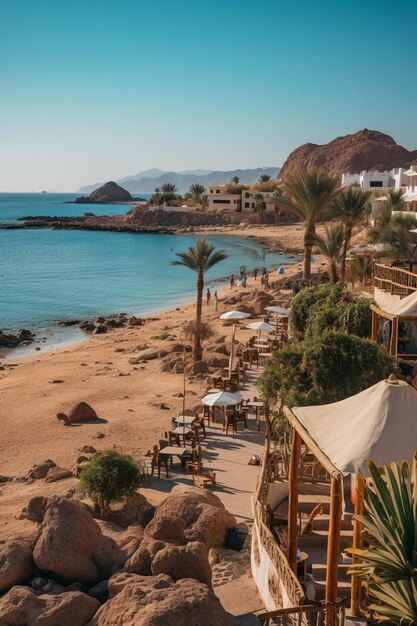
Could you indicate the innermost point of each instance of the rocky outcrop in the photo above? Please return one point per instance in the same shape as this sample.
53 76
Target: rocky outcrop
364 150
22 607
107 193
23 336
135 510
81 412
158 601
70 544
190 561
16 564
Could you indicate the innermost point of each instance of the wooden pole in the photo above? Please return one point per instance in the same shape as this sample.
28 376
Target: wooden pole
374 326
394 337
333 547
232 350
293 499
355 598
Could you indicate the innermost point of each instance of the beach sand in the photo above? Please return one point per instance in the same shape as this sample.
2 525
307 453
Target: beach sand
126 397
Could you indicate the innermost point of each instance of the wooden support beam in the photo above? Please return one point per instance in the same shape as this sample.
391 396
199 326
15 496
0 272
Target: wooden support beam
374 326
333 547
355 597
293 499
393 348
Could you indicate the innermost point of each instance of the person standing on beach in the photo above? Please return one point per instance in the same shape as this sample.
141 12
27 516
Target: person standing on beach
266 280
244 280
232 281
262 280
208 294
216 300
255 273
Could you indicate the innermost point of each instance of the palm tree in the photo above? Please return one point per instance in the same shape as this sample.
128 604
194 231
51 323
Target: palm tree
360 269
199 259
350 206
196 191
330 245
168 188
259 206
395 199
310 196
389 563
264 178
235 180
275 198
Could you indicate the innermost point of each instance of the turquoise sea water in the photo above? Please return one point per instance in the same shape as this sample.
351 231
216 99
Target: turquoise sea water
47 275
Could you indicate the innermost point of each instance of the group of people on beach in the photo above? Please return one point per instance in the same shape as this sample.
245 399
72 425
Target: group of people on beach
242 282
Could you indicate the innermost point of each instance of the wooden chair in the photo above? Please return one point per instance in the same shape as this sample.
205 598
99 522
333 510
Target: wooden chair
173 439
200 427
204 480
195 464
158 461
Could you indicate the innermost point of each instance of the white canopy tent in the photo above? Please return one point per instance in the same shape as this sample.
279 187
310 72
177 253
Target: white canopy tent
406 307
378 424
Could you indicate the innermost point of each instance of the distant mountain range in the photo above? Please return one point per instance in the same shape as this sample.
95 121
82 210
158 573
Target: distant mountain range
147 181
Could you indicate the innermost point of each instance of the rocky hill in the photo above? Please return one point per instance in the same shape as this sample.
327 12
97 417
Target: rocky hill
364 150
108 193
146 182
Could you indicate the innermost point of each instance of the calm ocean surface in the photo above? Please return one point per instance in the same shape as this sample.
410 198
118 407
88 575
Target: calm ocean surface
47 276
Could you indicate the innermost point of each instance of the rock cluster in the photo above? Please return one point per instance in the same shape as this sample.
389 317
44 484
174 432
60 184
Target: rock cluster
101 325
22 337
156 574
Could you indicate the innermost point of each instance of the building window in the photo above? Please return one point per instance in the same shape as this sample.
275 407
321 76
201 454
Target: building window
217 190
247 194
247 205
375 183
221 201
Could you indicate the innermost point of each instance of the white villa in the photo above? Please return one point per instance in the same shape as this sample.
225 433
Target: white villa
398 178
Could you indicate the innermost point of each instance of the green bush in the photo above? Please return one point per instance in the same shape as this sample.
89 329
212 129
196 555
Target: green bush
332 367
109 477
351 318
304 302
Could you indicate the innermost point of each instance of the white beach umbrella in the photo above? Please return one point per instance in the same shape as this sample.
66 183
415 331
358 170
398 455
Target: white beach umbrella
233 315
222 398
279 310
261 326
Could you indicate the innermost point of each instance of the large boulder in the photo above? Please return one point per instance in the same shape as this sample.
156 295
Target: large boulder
22 607
35 509
136 510
190 561
71 546
82 412
41 470
159 602
202 512
158 533
16 564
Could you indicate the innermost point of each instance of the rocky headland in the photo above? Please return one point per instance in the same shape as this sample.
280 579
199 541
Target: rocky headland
364 150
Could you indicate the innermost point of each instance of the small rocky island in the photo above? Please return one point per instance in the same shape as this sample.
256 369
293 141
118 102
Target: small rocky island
106 194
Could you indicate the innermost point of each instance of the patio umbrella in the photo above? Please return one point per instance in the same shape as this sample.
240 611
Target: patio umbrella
279 311
233 315
261 326
222 398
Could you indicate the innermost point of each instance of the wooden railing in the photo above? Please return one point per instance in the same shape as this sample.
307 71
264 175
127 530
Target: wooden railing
388 278
307 614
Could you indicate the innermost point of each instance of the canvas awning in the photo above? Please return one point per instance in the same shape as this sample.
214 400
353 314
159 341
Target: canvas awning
378 424
407 307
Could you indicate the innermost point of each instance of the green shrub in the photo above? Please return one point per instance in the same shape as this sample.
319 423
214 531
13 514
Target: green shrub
164 335
351 318
109 477
302 305
332 367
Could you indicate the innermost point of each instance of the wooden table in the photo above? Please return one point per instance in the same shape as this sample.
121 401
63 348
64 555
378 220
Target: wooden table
187 420
174 451
264 355
183 431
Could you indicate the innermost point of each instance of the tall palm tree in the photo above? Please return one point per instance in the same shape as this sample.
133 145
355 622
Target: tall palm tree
310 196
395 199
330 245
264 178
276 198
168 188
235 180
350 207
259 206
199 259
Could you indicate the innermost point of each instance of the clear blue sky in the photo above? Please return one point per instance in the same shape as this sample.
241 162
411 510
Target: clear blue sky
93 90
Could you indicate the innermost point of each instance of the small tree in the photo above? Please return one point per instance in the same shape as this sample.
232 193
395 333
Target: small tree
264 178
235 180
330 245
109 477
